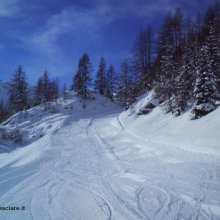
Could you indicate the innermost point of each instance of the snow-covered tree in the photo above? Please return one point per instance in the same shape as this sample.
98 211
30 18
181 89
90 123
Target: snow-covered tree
213 46
205 92
184 83
167 68
168 72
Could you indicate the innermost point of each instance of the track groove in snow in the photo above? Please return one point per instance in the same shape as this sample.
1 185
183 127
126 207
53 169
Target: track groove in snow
94 166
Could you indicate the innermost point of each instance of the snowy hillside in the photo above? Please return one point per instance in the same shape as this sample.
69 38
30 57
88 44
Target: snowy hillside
180 131
90 161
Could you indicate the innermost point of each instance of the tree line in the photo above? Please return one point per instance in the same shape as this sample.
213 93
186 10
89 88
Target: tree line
23 97
187 67
185 73
183 69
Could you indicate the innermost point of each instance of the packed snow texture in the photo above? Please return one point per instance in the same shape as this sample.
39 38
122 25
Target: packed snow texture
98 163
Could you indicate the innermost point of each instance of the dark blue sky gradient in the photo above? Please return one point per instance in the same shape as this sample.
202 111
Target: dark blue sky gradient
53 34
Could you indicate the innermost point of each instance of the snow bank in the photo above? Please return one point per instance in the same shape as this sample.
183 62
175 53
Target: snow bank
93 161
200 135
37 126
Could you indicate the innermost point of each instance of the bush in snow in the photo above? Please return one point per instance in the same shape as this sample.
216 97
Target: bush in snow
12 135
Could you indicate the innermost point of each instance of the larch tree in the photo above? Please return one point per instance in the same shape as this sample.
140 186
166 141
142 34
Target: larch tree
125 91
46 90
3 111
167 65
110 82
65 93
141 60
100 82
18 97
82 79
42 90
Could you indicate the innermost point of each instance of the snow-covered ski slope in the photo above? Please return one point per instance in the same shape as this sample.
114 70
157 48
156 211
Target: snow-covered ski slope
97 163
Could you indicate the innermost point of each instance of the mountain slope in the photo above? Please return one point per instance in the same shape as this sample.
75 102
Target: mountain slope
98 163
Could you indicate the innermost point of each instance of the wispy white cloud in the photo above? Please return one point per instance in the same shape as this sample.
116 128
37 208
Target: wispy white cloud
82 26
140 8
9 8
83 23
77 22
152 8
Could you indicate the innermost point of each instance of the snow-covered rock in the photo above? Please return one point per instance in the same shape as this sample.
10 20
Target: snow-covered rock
145 104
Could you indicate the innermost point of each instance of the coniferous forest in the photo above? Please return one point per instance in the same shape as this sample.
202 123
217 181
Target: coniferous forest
182 66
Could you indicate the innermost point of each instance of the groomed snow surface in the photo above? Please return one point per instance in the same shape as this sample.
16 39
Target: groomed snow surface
97 163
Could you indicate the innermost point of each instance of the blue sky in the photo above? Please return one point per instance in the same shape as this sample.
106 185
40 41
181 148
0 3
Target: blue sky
53 34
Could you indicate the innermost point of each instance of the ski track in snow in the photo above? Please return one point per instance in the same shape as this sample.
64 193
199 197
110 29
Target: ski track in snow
96 168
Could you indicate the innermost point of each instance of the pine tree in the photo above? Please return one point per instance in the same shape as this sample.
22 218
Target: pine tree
46 87
110 82
77 79
213 44
125 91
43 89
169 60
100 82
18 97
3 111
178 29
82 79
65 94
205 92
141 61
46 90
167 72
184 83
54 90
39 92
